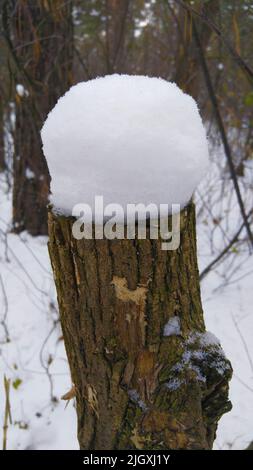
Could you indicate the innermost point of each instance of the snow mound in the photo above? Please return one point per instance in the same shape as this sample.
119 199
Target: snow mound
131 139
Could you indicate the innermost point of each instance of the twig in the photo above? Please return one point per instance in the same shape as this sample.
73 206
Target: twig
219 120
7 412
3 320
246 349
22 267
47 365
84 66
243 383
236 56
225 250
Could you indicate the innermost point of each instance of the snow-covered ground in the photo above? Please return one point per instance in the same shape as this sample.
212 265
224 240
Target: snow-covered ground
227 292
34 358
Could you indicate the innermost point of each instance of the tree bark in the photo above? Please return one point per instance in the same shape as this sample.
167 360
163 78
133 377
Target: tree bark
41 51
135 387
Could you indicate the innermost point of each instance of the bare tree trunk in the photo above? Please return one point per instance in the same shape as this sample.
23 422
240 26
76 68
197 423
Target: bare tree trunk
138 385
42 54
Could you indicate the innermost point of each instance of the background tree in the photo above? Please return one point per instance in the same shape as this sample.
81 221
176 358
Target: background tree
40 40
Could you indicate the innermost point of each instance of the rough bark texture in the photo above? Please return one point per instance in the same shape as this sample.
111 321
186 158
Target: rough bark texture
135 387
42 52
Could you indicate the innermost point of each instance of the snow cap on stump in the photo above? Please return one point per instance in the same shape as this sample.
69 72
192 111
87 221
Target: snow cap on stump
131 139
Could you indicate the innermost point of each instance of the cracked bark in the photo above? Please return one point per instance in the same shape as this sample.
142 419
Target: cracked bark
115 297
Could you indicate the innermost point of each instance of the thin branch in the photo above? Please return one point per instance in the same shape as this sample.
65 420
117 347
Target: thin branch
225 250
7 411
47 365
22 266
219 120
84 66
3 320
245 346
236 56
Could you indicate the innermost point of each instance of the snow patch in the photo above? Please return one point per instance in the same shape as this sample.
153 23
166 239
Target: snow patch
200 377
204 339
135 397
29 174
21 91
172 327
208 353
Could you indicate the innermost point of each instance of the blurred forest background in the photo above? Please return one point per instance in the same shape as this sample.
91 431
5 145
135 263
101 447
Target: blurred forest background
46 46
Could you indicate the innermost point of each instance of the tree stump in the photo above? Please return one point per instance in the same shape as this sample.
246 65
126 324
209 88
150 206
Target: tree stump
139 384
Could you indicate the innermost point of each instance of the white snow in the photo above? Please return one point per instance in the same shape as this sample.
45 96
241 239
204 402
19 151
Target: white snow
107 135
172 327
35 352
204 342
209 339
21 91
29 174
135 397
204 339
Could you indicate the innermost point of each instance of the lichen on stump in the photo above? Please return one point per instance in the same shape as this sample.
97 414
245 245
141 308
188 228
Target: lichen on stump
135 387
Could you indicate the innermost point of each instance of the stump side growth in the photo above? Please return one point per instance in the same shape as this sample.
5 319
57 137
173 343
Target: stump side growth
135 387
